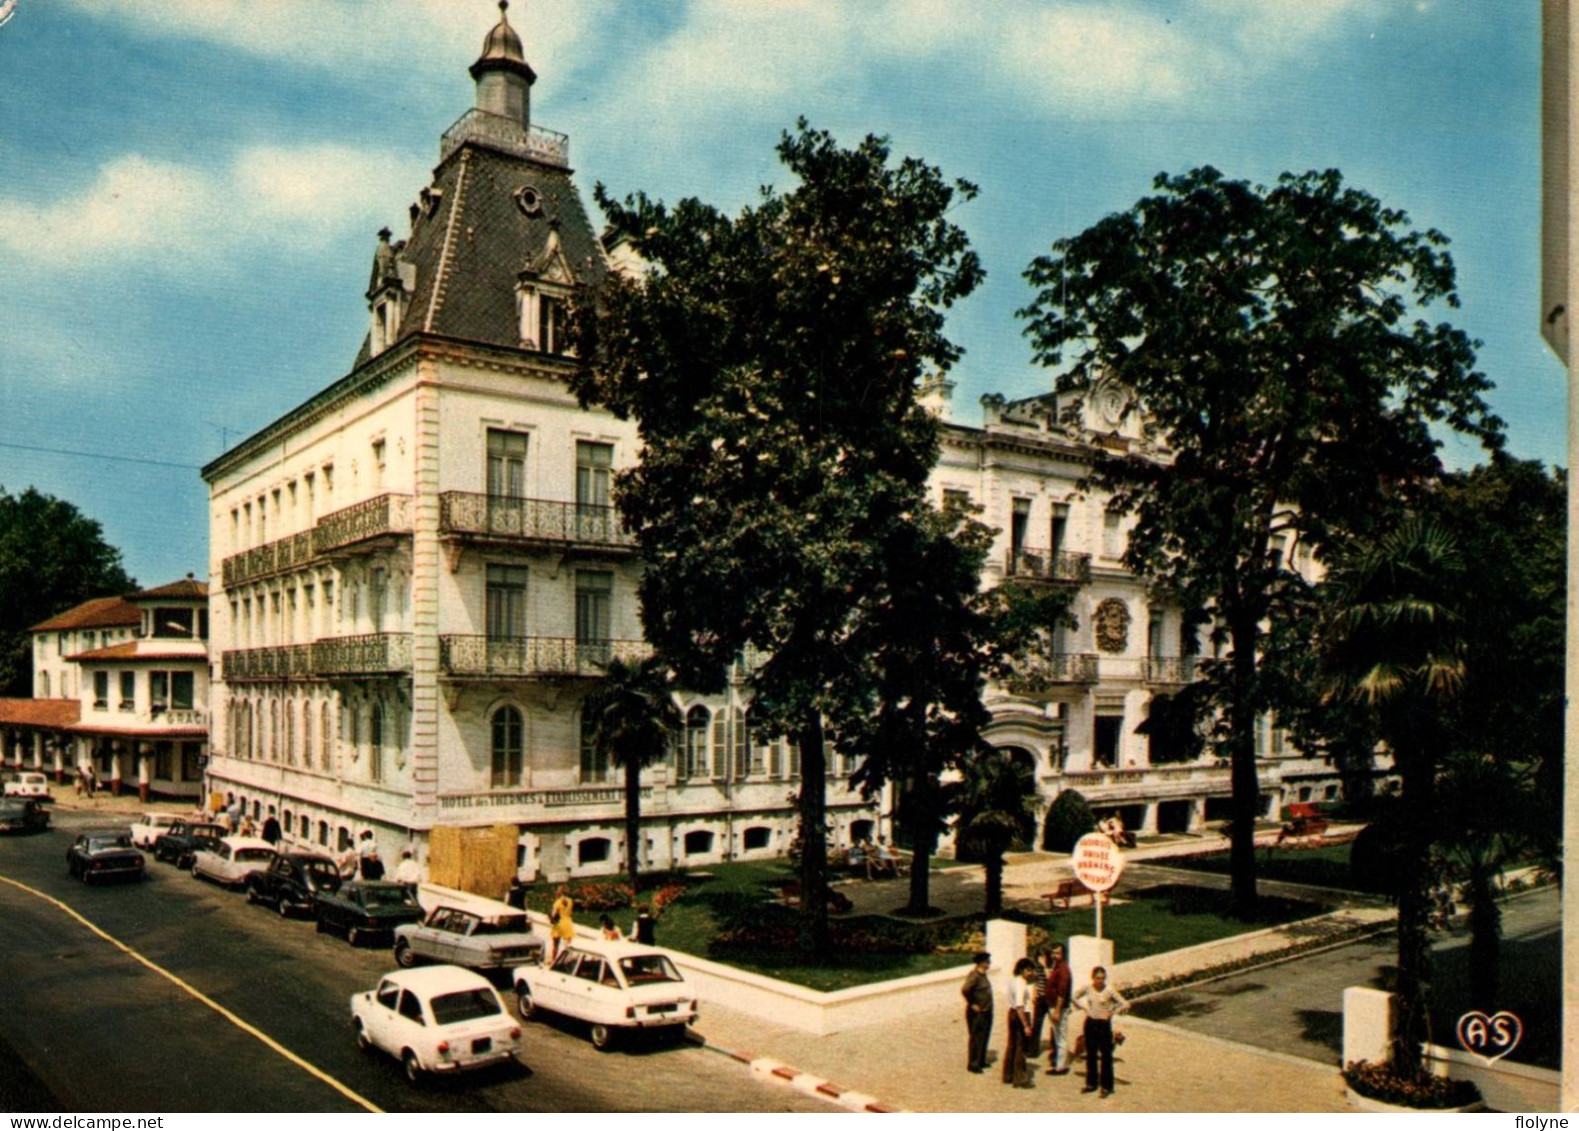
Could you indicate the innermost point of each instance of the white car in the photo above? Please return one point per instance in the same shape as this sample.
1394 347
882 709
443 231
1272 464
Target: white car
230 860
150 827
28 784
439 1019
613 986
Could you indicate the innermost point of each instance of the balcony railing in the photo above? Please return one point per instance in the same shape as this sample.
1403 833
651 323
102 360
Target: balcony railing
1049 565
272 557
371 518
498 132
1170 669
1038 677
289 661
495 518
373 654
533 656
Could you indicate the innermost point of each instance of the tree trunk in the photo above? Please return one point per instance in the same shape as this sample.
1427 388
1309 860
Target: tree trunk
814 940
1410 1028
633 829
1485 937
924 842
1246 805
994 865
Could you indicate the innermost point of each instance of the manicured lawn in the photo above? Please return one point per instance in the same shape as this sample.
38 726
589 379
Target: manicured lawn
1327 866
728 914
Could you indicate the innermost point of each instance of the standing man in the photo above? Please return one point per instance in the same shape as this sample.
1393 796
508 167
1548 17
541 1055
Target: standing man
977 992
271 827
1101 1003
367 856
1015 1070
1056 996
408 872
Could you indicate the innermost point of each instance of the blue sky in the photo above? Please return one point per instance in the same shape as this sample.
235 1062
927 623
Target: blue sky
189 189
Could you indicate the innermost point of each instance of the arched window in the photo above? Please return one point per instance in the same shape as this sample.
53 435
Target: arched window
756 837
375 742
509 748
594 762
738 742
306 826
323 833
43 685
290 732
696 723
274 730
323 738
698 842
593 850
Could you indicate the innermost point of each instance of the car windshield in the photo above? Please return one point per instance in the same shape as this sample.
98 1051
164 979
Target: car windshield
205 830
644 969
243 854
388 895
467 1005
323 871
503 925
103 843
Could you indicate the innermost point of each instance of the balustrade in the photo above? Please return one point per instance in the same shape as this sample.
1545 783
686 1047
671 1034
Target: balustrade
1043 674
1049 565
534 656
1170 669
530 520
374 653
371 518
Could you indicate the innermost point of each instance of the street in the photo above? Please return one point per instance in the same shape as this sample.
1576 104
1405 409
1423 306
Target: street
95 1029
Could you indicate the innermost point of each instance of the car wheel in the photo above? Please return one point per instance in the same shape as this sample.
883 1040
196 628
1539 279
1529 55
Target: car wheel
196 873
413 1068
404 955
283 907
602 1037
252 894
524 1002
320 926
353 935
363 1042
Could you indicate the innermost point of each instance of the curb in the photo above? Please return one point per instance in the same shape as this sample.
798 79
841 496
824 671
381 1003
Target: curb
805 1082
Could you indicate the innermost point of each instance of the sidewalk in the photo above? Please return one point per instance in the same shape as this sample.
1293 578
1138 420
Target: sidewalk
919 1065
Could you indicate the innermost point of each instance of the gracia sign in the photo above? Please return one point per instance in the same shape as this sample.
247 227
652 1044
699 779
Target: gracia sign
1097 862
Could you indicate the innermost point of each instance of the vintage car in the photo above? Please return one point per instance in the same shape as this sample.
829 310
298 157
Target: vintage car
180 843
230 860
439 1020
28 783
22 815
148 828
469 937
365 908
614 986
104 856
292 881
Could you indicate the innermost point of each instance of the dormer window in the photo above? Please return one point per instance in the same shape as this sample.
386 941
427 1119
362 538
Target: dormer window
543 298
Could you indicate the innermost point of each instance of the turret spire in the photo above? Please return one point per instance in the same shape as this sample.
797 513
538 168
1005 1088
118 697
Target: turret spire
504 80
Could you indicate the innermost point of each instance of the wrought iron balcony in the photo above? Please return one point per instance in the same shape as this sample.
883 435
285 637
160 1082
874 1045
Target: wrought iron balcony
533 657
1171 670
1037 678
492 518
270 558
290 661
375 654
1055 566
371 518
498 132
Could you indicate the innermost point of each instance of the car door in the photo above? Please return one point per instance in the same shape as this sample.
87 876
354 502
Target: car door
591 998
382 1016
409 1029
558 979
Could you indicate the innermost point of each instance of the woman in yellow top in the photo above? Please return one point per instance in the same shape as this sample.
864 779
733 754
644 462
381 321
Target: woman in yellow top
562 927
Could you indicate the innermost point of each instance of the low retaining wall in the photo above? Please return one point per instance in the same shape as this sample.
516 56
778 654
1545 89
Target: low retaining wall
1504 1085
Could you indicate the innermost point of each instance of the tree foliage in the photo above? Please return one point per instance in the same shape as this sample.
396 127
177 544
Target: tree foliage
1069 818
771 361
995 810
1273 344
52 557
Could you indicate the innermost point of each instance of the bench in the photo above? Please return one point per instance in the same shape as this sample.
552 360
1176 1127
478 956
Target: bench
1064 892
1304 820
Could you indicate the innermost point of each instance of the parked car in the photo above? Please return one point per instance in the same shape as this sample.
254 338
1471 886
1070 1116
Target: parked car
147 829
104 856
180 843
22 815
469 938
613 986
440 1020
28 783
292 881
230 860
365 908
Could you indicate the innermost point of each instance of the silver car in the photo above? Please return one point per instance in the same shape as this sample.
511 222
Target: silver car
469 938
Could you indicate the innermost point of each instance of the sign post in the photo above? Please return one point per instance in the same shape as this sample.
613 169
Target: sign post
1097 864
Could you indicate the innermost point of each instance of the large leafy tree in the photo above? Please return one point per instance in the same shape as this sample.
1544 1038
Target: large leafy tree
633 717
1272 343
771 361
52 557
1392 645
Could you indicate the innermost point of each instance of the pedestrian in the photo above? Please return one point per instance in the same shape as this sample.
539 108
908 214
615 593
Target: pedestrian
408 872
645 929
1015 1070
1056 995
1044 962
271 827
92 777
611 933
561 921
977 992
347 863
236 811
82 781
1101 1003
367 856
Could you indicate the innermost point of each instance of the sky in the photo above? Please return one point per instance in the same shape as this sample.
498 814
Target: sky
190 189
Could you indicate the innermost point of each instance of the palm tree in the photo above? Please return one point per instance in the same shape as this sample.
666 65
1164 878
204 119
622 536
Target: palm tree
1392 644
632 714
995 808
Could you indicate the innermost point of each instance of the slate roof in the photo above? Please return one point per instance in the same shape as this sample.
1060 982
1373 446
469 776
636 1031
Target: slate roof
128 650
100 612
185 589
469 290
39 712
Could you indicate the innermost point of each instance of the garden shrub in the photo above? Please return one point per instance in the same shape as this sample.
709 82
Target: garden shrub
1068 819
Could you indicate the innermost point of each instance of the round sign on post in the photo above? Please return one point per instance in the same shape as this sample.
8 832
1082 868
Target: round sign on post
1097 864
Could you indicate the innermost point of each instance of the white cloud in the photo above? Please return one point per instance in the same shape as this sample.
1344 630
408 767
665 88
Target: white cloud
159 214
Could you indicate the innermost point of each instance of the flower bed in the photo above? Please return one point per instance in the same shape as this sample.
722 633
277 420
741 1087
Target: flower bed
1378 1082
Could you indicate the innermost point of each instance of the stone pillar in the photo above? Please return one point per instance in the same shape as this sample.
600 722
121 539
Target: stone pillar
1197 814
143 759
1148 820
1367 1025
1006 944
38 750
116 773
1086 952
57 747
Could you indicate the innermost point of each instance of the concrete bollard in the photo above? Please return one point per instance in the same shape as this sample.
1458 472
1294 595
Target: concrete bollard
1085 952
1367 1025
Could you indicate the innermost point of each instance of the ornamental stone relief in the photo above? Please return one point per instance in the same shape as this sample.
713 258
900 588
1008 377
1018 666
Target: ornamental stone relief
1111 621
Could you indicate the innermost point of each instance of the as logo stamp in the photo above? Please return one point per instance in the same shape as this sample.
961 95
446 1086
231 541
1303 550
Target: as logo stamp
1489 1037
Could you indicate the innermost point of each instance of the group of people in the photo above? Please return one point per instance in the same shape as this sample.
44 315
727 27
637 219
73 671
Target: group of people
1041 992
880 860
87 781
1113 827
562 925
